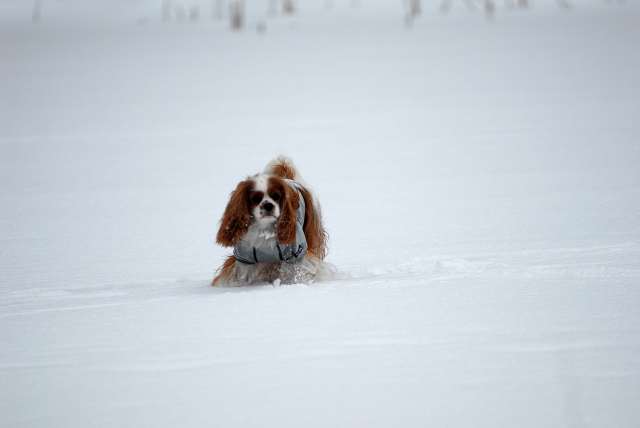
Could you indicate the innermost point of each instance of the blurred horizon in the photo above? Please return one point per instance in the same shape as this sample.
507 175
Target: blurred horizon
217 12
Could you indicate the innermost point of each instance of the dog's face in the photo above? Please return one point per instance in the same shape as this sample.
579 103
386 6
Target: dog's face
264 201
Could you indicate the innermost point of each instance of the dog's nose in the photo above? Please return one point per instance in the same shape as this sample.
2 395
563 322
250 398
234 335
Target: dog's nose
268 207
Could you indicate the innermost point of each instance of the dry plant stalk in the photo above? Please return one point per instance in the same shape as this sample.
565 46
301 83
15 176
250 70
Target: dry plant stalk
166 11
217 11
288 7
194 13
236 14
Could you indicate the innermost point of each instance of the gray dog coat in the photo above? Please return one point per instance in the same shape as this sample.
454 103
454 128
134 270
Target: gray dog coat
272 251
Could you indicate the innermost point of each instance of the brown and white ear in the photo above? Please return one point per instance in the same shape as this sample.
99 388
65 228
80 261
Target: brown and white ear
286 227
236 218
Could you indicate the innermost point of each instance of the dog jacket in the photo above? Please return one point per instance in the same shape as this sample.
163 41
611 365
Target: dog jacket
271 250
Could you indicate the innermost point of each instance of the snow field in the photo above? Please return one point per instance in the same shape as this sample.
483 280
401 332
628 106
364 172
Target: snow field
479 181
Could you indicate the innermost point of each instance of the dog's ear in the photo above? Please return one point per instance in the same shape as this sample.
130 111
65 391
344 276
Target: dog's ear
286 227
236 218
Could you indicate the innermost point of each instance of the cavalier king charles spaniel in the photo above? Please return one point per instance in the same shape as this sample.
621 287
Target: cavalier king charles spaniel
274 223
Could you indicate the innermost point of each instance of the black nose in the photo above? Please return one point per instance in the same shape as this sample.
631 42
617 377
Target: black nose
268 207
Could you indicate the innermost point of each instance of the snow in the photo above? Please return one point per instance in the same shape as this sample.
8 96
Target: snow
479 180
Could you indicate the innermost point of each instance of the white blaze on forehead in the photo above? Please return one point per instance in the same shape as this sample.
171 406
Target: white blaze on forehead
263 218
260 183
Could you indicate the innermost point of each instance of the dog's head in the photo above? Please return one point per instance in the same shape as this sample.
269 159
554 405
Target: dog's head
264 200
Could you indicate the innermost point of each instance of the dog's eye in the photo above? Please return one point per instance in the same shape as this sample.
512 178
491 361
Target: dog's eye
275 196
256 197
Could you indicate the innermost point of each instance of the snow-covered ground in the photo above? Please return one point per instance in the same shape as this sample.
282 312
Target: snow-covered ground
480 180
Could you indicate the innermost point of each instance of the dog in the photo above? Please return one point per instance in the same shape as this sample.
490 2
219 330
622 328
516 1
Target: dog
274 223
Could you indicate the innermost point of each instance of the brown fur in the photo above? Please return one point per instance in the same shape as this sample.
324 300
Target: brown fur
271 271
289 204
236 218
315 234
283 170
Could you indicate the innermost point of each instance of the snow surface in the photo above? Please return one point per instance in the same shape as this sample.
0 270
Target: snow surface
480 180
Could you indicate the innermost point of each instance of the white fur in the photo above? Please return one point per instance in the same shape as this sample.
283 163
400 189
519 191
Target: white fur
263 219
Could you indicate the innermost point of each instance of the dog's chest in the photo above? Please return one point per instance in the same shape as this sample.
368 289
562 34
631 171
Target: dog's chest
259 236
